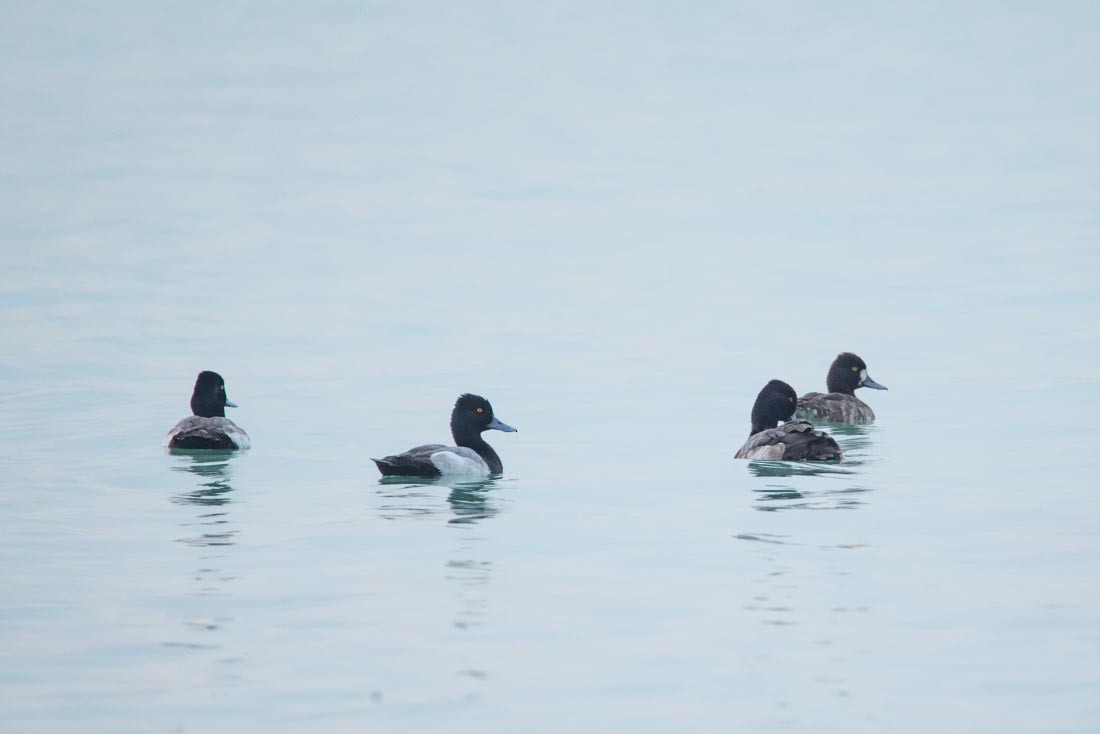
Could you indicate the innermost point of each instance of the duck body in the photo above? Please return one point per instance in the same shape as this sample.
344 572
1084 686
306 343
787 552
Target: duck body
777 435
834 407
472 456
208 428
197 432
847 374
436 459
796 440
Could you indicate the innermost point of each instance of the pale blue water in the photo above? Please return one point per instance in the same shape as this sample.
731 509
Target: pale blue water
616 222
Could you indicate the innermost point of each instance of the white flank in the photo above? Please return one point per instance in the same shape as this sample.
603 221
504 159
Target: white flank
460 460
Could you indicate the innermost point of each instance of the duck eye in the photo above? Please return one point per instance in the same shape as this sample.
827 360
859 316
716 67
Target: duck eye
855 369
481 410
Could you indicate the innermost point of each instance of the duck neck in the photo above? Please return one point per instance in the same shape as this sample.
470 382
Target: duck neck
473 440
207 408
842 383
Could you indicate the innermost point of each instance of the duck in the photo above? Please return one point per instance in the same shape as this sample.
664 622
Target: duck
471 455
840 405
794 440
208 428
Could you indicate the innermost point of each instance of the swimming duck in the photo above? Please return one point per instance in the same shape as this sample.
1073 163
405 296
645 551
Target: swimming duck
795 440
840 405
472 414
208 428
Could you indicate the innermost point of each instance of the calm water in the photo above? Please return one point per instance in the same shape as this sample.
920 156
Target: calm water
617 223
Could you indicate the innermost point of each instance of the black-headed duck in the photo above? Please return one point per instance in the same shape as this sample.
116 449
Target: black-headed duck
208 428
840 405
471 455
794 440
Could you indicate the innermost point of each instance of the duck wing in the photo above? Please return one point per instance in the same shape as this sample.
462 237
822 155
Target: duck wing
416 462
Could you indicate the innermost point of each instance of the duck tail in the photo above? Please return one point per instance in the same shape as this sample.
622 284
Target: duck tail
386 467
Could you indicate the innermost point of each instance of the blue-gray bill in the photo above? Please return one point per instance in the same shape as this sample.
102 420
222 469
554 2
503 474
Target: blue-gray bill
494 423
868 382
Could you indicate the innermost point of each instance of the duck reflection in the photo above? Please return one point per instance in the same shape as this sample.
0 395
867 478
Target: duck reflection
466 569
211 494
209 465
213 489
468 501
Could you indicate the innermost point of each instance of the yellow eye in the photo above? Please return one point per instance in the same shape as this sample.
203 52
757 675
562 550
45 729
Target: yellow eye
221 387
855 369
481 410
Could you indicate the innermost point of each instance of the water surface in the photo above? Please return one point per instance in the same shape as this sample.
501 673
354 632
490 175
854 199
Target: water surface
617 224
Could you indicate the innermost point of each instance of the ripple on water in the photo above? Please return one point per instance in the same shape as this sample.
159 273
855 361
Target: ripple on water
781 469
776 497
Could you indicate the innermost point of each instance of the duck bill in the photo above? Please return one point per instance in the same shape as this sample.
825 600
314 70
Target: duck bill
229 403
499 426
868 382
